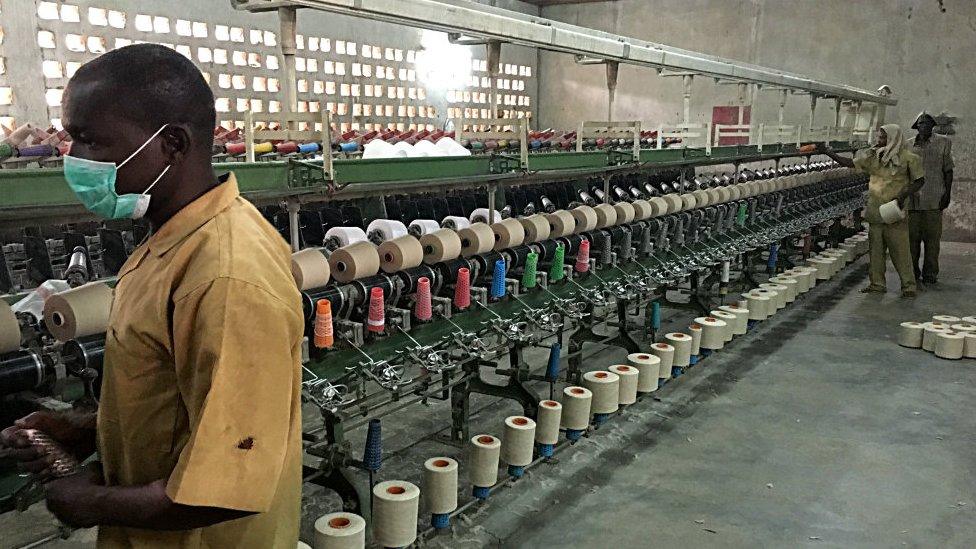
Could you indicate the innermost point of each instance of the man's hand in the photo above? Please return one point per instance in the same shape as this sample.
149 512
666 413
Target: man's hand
944 203
71 432
70 498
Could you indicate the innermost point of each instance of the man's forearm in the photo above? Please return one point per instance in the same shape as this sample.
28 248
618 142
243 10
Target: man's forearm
912 188
842 160
145 506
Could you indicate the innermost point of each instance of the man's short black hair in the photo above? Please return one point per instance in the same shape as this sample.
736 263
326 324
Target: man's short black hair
154 85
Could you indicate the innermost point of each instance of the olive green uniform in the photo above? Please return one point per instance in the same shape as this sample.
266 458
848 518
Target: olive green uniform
925 207
885 185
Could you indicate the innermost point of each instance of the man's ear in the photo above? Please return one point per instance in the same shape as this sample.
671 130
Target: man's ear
176 142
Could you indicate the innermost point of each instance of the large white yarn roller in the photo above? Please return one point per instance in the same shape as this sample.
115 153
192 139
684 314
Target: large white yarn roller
577 403
476 239
518 441
310 268
420 227
605 387
891 212
455 222
547 422
946 319
586 219
441 245
730 320
355 261
648 366
396 505
606 215
741 323
561 223
642 210
9 329
930 335
950 345
756 304
625 212
483 455
695 330
381 230
682 348
337 237
536 228
78 312
440 485
340 531
508 233
910 334
400 253
713 332
665 352
969 349
483 215
790 284
780 293
627 388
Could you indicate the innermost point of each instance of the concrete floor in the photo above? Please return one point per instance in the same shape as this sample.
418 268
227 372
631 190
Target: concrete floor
815 429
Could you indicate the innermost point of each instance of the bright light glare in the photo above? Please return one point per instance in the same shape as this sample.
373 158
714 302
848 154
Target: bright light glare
442 65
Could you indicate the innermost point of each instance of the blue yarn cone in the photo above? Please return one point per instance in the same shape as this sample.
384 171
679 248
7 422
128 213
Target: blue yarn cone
656 315
498 280
552 370
373 453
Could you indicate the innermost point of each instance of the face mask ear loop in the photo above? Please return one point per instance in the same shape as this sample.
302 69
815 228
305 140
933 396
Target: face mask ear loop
143 146
149 188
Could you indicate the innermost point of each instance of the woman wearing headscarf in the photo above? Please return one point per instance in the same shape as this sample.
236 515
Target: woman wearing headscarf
896 174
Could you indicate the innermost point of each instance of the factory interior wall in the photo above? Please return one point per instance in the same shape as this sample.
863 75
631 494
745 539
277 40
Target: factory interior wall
29 85
922 49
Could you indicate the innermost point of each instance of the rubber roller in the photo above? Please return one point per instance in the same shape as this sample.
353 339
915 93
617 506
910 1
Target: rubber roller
476 239
910 334
627 387
682 348
626 212
310 268
355 261
585 217
440 245
665 352
605 387
536 228
508 233
561 223
401 253
648 368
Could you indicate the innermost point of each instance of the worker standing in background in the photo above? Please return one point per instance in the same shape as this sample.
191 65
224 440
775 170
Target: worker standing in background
199 424
926 206
896 174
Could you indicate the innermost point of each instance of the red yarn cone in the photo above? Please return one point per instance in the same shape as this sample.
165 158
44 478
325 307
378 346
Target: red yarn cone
462 290
324 337
583 257
377 318
421 307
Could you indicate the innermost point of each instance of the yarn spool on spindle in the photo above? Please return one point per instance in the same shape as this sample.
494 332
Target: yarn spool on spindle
585 217
740 324
310 268
340 531
665 352
355 261
642 210
605 387
396 505
476 239
484 215
508 233
561 223
401 253
779 292
648 367
713 332
440 245
577 405
606 215
440 489
547 426
626 212
78 312
455 222
9 329
695 330
420 227
627 387
484 452
536 228
382 230
790 285
518 444
682 348
730 320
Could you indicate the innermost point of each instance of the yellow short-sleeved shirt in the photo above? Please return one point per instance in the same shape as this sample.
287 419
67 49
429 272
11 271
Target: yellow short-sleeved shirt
886 183
202 376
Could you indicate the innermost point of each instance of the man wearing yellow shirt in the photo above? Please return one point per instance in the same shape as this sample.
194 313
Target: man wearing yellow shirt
198 430
896 173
